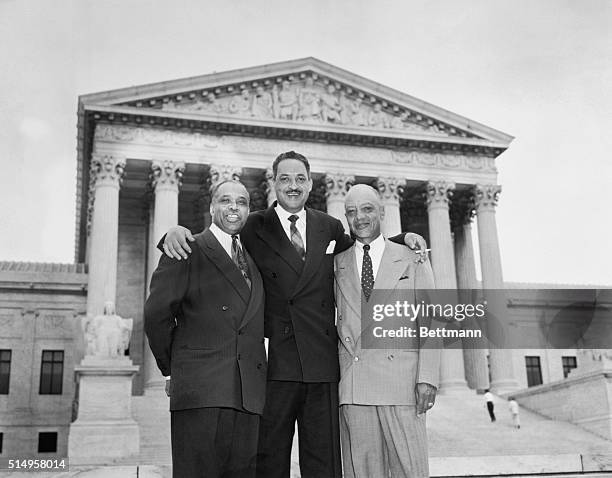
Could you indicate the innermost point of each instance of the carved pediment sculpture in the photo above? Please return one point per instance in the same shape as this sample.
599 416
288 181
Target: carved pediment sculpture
306 100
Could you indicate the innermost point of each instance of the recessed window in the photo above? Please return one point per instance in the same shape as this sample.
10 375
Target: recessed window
51 372
1 440
5 371
569 364
534 370
47 442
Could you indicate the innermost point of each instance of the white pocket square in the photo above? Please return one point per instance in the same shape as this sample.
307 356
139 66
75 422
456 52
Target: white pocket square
330 247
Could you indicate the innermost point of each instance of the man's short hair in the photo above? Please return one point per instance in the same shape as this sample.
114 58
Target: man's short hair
290 155
215 188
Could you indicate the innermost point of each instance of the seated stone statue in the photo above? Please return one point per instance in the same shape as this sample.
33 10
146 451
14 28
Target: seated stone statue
107 334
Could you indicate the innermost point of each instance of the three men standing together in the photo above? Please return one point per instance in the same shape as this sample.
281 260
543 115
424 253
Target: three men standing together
294 249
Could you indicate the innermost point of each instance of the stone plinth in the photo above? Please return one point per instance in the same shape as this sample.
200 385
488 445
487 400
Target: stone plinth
104 430
583 398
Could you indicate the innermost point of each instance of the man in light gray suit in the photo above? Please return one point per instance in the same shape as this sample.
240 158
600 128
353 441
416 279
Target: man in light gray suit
384 393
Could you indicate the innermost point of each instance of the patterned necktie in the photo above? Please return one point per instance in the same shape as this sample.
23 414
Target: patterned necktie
240 260
367 273
296 237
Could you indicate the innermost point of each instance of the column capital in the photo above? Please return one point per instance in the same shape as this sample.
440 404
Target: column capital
337 185
463 209
167 174
224 172
439 193
106 170
390 188
486 196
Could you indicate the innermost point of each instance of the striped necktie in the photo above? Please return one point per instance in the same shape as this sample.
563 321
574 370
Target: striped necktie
240 260
296 237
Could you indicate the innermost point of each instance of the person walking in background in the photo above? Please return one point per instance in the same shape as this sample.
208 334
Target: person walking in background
513 406
488 396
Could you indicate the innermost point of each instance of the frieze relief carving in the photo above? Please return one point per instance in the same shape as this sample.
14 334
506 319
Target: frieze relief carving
140 135
53 325
307 99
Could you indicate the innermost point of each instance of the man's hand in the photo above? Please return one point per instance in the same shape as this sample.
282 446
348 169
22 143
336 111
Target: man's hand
168 386
426 397
414 241
175 244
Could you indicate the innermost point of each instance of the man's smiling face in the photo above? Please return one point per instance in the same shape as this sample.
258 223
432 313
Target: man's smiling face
364 212
292 185
229 207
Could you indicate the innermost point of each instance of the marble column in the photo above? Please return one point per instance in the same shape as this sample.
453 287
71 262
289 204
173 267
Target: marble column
106 174
474 352
500 360
390 189
166 179
269 186
337 185
452 372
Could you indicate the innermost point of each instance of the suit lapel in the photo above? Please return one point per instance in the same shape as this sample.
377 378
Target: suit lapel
315 249
214 251
348 277
393 263
256 291
274 235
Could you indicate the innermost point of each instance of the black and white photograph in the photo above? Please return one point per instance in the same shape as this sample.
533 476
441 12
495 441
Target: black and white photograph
305 239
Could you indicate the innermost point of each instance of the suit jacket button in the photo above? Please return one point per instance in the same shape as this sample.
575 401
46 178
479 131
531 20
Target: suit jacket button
274 275
240 332
347 339
287 329
259 366
356 359
290 301
225 307
238 357
390 357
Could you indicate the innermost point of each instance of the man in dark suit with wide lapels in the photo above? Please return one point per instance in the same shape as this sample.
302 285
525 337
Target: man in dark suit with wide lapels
205 322
294 249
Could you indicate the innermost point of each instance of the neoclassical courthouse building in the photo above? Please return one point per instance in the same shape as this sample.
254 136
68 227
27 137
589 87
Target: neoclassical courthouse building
147 157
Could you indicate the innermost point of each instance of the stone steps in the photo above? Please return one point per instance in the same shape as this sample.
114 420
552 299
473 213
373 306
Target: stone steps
462 440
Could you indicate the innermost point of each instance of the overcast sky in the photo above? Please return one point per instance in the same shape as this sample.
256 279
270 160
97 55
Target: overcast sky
538 70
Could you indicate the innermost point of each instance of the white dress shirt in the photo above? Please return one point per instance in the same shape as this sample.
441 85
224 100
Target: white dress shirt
224 238
377 249
283 216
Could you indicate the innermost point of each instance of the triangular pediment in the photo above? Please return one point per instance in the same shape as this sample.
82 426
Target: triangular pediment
305 93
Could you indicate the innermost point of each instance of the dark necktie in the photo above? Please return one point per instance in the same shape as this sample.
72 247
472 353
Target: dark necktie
240 260
296 237
367 273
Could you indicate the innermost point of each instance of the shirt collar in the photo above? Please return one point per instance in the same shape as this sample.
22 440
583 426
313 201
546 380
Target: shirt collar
376 245
283 215
221 235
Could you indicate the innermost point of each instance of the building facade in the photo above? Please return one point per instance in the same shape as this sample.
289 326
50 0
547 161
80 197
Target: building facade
147 157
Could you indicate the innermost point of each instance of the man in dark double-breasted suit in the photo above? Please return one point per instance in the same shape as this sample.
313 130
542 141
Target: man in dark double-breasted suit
294 248
204 320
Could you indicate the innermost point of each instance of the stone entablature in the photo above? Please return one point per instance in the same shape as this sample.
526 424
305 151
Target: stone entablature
150 143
